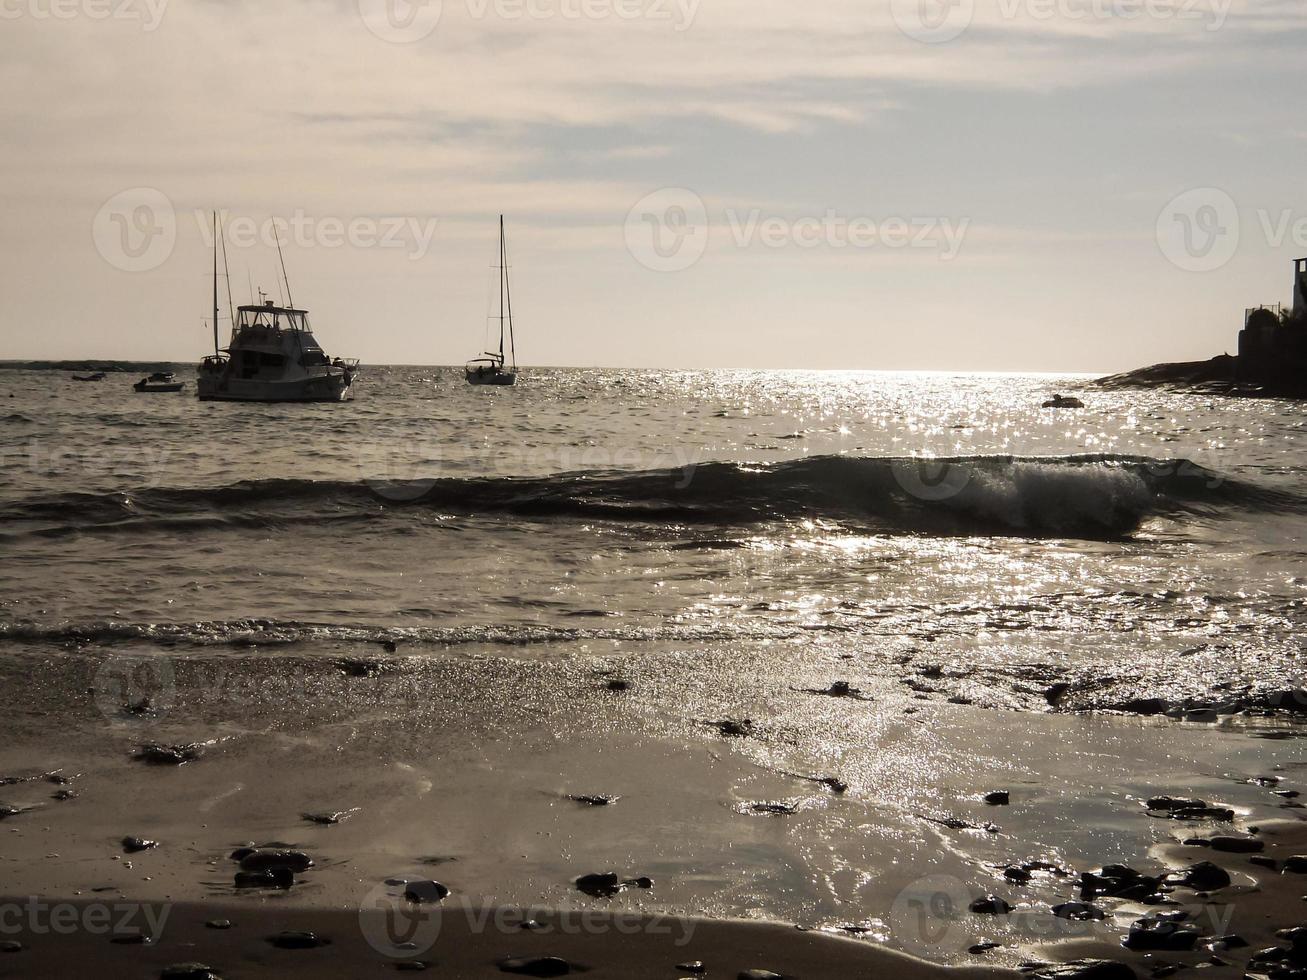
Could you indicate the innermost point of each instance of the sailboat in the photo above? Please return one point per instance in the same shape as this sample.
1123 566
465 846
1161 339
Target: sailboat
489 368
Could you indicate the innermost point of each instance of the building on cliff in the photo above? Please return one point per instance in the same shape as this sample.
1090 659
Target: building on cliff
1273 342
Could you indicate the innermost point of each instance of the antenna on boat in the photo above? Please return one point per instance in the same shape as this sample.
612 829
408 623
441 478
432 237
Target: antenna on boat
290 300
216 348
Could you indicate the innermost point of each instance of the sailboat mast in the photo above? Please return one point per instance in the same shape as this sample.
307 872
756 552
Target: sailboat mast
503 271
216 350
508 293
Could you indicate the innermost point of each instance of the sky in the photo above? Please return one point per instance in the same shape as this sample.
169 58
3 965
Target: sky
989 185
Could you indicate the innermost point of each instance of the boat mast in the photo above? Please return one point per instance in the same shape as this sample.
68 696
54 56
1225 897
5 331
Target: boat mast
503 272
216 350
290 300
508 293
226 272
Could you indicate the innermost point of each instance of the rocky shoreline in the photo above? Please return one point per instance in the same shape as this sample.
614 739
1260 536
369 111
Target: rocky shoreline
1218 376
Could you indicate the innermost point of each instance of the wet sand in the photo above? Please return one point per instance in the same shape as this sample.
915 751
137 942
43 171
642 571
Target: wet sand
650 948
742 782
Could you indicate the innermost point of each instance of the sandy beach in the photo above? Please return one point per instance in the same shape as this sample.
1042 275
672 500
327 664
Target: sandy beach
856 821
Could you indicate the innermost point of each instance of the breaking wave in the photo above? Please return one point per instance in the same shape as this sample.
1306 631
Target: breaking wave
1089 496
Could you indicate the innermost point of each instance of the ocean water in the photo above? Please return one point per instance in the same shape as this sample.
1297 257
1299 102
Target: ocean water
728 543
657 505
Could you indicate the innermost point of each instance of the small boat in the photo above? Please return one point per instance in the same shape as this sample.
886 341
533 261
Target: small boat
158 384
98 376
1062 401
272 356
489 368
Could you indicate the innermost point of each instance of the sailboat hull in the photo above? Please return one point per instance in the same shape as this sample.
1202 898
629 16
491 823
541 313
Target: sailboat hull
499 378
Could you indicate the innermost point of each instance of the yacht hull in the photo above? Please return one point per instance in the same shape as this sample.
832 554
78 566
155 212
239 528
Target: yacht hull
324 388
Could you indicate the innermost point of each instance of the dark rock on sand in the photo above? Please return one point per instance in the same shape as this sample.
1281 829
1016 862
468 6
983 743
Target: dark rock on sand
1054 693
599 885
131 939
1078 912
545 966
189 971
63 795
1237 845
696 967
134 845
7 811
1119 881
979 948
1000 797
298 940
1085 970
329 818
839 689
760 975
425 892
732 728
1296 865
270 878
992 905
1188 809
618 686
1160 934
168 755
272 859
220 924
595 800
11 946
1264 862
1230 942
608 885
777 809
1205 877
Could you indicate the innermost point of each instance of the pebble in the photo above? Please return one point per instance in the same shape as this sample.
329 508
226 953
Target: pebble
991 905
1205 877
220 924
298 940
134 845
168 755
189 971
999 797
1296 865
1237 845
595 800
547 966
272 859
695 967
1078 911
759 975
1160 934
425 892
11 946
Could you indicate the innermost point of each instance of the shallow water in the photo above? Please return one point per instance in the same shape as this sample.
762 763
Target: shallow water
724 540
